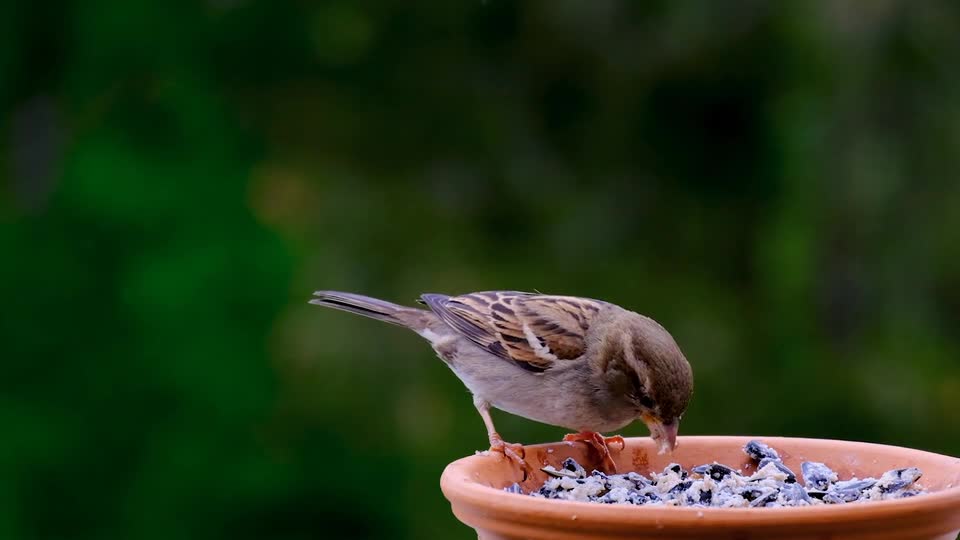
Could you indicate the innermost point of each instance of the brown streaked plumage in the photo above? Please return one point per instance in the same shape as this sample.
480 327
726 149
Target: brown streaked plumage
502 322
583 364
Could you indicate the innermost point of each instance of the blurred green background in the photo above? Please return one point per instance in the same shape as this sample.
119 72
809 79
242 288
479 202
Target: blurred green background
777 183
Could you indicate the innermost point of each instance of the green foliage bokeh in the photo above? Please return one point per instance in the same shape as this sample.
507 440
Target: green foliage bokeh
774 182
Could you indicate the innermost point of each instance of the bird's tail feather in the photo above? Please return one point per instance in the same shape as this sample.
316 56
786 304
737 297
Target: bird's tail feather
370 307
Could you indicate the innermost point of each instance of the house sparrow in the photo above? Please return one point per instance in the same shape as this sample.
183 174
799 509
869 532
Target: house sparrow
585 365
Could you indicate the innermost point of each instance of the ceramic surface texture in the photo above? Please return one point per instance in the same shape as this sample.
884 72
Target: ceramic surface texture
474 487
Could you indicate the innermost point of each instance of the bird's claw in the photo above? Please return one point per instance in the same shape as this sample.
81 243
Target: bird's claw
512 451
601 444
616 439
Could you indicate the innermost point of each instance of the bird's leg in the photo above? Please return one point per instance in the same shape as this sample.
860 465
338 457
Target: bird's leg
513 452
601 444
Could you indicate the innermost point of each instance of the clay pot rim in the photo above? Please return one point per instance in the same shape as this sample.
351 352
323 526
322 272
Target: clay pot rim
457 484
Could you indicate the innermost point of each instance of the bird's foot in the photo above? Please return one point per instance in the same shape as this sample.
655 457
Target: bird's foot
601 444
512 451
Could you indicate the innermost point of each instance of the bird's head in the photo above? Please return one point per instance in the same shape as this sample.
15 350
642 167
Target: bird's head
654 375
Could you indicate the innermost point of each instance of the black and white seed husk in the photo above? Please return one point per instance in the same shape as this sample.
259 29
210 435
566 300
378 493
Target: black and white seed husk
716 485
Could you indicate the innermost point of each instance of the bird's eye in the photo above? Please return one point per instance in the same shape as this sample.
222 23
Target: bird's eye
638 392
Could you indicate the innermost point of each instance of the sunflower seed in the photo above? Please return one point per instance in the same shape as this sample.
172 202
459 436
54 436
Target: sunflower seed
717 485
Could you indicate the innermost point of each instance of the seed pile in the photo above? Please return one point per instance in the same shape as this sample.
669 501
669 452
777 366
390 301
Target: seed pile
716 485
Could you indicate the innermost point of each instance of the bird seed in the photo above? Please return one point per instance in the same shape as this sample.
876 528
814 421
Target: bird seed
716 485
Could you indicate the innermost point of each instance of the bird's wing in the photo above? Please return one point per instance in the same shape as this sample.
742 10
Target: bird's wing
533 330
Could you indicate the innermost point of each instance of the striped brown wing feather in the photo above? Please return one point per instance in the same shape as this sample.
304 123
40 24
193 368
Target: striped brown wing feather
533 330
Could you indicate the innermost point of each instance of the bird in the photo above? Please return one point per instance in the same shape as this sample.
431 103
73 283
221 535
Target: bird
586 365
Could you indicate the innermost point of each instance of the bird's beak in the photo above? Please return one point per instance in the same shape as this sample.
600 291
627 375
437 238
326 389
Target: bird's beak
665 433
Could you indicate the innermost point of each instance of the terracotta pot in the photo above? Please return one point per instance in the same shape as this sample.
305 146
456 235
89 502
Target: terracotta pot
474 487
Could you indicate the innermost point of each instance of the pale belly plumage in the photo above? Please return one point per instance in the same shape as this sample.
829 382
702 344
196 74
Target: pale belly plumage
517 391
